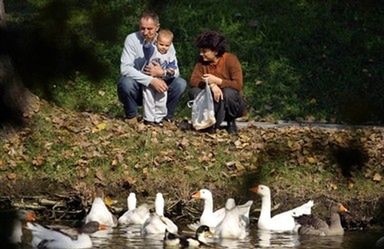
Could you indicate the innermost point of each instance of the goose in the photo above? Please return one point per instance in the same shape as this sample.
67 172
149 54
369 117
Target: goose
234 225
175 240
283 222
208 217
48 238
312 225
100 213
134 216
11 225
157 223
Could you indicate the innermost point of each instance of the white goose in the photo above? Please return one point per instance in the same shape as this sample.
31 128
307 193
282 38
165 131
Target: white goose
283 222
134 216
157 223
234 225
44 237
100 213
208 217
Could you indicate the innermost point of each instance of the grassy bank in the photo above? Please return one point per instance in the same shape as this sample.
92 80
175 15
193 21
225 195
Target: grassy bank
62 153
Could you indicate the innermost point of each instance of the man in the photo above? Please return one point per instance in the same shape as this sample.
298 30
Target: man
135 75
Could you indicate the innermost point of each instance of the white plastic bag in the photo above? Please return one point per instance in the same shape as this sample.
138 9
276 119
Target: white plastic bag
203 112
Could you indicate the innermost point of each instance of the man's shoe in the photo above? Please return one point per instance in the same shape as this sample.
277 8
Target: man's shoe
169 120
232 127
132 121
170 123
146 122
152 123
159 124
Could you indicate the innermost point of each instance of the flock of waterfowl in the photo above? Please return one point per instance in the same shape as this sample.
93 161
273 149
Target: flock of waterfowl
229 222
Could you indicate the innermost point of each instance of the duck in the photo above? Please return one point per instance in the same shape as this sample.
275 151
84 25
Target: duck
312 225
283 222
199 239
12 223
134 216
234 225
100 213
157 223
44 237
209 217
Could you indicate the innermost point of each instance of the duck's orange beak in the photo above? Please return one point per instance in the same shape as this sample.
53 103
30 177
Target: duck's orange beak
103 227
196 195
30 216
254 189
343 209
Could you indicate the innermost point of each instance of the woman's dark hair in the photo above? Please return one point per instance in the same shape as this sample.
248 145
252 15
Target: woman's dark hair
212 40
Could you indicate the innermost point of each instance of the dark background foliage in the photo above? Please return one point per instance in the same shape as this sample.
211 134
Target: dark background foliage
302 60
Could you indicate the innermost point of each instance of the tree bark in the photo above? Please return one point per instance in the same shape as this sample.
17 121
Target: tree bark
14 97
2 14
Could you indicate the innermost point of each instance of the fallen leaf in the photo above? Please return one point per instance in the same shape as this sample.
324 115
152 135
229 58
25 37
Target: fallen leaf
114 162
101 93
311 160
377 177
332 186
38 161
11 176
108 201
234 165
99 127
100 175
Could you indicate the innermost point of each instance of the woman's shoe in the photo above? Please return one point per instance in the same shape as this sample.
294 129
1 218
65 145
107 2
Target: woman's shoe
232 127
210 130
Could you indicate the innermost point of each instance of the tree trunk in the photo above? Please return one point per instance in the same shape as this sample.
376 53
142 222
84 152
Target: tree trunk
15 99
2 14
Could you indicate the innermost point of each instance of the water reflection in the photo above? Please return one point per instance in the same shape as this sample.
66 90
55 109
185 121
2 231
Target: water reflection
130 237
136 240
277 240
231 243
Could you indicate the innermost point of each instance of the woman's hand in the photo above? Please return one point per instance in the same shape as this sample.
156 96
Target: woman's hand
212 79
217 92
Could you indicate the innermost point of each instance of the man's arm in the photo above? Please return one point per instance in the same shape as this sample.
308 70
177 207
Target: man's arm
131 52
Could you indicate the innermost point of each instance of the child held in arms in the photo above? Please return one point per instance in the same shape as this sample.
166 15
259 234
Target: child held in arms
154 102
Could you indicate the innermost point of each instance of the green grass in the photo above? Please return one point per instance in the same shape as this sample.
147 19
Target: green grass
302 60
75 152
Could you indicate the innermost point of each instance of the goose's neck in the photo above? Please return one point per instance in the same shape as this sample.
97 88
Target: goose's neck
208 205
131 203
265 212
335 221
159 208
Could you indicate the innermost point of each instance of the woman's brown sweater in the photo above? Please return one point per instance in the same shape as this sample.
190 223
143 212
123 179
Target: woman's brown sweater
228 68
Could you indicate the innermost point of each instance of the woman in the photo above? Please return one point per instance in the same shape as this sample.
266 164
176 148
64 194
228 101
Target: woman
222 71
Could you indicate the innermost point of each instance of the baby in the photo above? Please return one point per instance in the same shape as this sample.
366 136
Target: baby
154 102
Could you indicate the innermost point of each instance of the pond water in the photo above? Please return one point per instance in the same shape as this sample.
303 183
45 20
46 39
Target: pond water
130 237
